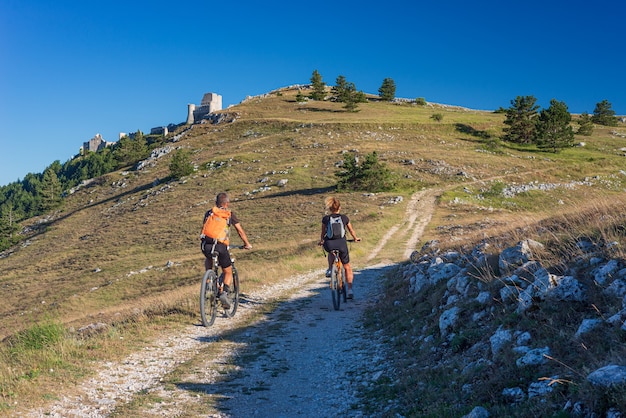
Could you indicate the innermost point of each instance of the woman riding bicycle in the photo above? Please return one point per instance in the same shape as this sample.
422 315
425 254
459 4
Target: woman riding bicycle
337 240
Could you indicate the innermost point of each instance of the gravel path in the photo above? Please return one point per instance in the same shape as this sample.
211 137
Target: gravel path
302 359
311 360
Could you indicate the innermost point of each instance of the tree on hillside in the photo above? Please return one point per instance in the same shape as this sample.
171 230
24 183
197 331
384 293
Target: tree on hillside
300 98
319 87
180 165
340 89
24 197
420 101
88 166
370 176
585 124
131 150
520 118
8 227
387 90
50 190
554 131
352 98
603 114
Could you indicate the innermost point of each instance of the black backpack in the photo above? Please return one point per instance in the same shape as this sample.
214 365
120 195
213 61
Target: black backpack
335 228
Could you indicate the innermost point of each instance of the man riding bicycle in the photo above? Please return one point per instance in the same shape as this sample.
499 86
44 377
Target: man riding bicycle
215 238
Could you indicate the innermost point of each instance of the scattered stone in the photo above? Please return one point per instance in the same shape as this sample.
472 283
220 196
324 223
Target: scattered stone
533 357
608 376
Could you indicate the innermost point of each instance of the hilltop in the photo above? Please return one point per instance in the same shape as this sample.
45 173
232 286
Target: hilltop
123 250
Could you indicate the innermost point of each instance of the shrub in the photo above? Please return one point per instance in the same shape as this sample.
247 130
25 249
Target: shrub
371 175
181 166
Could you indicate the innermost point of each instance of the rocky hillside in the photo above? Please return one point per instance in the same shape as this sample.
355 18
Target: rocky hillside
494 331
125 245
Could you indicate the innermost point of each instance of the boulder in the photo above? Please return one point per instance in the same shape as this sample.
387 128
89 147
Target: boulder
608 376
514 257
534 357
448 320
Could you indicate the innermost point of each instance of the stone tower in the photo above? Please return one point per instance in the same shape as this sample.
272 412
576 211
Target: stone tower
211 102
190 110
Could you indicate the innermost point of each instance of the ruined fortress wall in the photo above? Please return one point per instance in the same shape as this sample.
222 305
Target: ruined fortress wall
211 102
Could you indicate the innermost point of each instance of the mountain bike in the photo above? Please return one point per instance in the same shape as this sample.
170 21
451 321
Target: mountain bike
210 289
338 280
338 283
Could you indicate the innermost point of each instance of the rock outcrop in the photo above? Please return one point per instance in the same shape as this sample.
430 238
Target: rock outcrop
485 290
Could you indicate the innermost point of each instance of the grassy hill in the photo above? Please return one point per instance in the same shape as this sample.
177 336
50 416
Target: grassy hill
125 247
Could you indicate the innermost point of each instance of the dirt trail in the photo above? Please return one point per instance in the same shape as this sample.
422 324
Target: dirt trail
419 209
303 359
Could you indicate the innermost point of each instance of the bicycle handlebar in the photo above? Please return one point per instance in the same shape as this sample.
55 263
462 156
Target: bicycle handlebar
239 247
347 240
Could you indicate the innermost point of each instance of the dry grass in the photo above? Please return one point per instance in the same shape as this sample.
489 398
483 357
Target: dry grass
431 380
104 257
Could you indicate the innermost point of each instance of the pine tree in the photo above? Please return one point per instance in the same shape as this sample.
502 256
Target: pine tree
585 124
180 165
387 90
8 227
553 127
604 115
352 98
131 150
300 97
50 190
340 90
520 118
371 175
319 87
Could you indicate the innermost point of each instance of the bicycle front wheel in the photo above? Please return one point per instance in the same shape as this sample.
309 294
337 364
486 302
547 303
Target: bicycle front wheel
234 295
335 287
208 298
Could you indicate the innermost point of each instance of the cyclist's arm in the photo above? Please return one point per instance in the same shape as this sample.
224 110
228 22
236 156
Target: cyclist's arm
351 230
324 226
242 235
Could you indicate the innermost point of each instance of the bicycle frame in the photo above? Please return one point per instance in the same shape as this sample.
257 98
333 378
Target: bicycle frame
338 283
210 288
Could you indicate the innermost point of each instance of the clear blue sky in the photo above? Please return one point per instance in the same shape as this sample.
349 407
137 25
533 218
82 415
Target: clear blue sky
72 68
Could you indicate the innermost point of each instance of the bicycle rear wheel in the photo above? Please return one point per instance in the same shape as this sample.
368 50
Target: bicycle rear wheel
208 298
344 286
234 295
335 287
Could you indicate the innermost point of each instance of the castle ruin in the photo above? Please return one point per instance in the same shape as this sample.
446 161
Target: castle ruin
95 144
211 102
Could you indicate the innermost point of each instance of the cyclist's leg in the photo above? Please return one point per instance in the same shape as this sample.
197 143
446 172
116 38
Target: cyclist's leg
349 275
228 275
345 259
332 245
225 263
206 250
329 249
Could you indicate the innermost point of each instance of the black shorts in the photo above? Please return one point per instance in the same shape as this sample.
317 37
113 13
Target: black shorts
338 244
221 249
